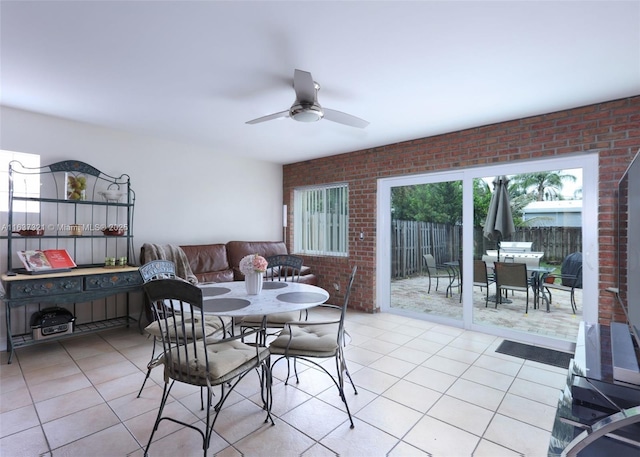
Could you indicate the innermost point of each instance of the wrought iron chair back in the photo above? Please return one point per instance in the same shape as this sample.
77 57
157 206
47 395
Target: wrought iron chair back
157 269
284 267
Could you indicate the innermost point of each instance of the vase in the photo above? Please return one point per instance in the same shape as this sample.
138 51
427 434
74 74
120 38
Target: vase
253 283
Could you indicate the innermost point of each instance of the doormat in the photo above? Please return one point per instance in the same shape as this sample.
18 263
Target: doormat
537 354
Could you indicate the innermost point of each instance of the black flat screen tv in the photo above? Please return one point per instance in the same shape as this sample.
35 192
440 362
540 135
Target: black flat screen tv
629 245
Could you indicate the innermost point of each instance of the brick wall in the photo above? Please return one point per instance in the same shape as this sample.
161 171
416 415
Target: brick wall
610 128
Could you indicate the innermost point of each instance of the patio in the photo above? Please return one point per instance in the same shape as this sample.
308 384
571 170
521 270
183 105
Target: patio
411 294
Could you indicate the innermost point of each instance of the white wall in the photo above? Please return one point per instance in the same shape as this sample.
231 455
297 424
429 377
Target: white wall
185 194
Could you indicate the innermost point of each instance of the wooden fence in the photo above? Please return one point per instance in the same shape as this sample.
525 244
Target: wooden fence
411 239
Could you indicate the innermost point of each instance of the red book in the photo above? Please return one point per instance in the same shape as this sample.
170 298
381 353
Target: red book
48 259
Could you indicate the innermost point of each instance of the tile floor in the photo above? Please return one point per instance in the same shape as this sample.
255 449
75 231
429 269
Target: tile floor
423 389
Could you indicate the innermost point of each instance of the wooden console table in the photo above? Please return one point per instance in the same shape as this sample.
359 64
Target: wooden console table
77 286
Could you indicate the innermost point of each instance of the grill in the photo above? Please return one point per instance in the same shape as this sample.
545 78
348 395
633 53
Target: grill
515 251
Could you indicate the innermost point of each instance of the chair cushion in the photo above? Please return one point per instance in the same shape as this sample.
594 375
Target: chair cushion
223 358
307 339
276 318
218 322
156 328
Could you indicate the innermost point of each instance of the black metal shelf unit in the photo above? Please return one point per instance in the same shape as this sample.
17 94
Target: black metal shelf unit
67 205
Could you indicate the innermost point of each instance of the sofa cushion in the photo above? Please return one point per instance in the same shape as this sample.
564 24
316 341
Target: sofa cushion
209 262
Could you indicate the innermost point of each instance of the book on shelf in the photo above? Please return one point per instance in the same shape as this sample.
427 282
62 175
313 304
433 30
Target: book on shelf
42 261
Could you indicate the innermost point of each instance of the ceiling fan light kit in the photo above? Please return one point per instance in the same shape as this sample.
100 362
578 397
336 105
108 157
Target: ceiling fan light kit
306 113
306 107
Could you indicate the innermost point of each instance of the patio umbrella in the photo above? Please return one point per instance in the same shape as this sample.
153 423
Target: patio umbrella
499 224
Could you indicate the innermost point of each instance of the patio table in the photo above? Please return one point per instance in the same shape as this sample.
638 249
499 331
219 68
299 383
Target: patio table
538 274
453 268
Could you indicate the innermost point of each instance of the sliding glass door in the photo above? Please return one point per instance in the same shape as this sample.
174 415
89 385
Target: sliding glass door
426 245
433 235
546 217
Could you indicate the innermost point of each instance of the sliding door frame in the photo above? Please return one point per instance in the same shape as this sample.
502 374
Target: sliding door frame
590 251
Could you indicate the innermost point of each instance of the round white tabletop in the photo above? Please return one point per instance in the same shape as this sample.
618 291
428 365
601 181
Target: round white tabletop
231 298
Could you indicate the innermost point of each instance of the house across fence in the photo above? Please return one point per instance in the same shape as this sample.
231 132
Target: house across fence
410 240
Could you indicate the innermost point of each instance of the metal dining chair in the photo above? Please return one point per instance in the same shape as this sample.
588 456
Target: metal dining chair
166 269
284 267
311 340
154 270
178 309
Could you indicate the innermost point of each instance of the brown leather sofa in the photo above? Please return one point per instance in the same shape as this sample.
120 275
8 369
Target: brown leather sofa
220 262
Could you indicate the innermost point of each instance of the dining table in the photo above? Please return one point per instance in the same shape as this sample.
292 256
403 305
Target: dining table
231 298
453 268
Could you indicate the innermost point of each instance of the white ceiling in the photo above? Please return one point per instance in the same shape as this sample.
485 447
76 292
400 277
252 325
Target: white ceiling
195 72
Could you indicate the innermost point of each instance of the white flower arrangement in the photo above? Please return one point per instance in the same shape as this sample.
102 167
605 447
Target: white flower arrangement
253 263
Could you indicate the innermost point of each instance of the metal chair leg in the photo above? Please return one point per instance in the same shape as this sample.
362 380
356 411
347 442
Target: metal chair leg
150 366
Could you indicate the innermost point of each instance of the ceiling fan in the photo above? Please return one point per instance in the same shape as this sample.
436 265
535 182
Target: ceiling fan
306 107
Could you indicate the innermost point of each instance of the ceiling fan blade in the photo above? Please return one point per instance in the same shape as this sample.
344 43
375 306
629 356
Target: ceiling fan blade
269 117
344 118
304 86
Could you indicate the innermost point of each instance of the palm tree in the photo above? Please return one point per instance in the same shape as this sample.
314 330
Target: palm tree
545 185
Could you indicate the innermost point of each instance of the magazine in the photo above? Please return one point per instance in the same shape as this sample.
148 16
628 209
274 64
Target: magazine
46 260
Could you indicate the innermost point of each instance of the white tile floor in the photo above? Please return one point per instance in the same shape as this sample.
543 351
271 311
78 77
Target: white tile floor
424 389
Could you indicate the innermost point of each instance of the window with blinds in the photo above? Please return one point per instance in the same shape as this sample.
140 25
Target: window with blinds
321 216
28 186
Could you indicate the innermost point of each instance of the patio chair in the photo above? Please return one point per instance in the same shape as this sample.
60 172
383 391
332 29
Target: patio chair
206 363
166 269
309 340
482 279
511 276
436 272
568 283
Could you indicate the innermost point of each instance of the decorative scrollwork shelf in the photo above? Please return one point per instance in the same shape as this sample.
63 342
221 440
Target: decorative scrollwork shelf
68 205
